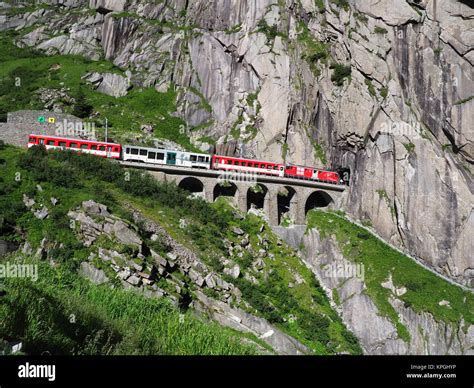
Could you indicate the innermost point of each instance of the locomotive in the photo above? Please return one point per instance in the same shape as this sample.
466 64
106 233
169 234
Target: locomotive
132 153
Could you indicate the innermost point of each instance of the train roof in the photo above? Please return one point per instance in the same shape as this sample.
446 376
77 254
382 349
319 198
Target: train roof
164 150
74 139
248 160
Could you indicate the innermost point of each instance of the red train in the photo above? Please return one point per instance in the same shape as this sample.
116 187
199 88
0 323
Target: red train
186 159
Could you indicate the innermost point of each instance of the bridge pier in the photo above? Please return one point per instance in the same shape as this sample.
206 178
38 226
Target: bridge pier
271 206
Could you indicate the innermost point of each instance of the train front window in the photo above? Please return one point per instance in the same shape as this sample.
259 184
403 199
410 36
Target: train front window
32 140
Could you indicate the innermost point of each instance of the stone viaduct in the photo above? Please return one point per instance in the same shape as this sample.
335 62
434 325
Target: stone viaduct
275 196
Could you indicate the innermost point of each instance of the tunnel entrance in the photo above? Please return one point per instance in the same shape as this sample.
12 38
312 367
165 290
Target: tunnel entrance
224 189
286 206
193 185
256 196
318 199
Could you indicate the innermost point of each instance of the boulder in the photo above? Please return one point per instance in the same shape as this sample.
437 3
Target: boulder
125 235
114 85
41 213
238 231
95 275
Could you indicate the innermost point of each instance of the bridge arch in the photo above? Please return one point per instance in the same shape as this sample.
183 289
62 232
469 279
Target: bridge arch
193 185
287 203
224 189
256 196
318 199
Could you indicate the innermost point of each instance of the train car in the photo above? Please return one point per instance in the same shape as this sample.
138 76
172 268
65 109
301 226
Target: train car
229 163
300 172
133 153
328 177
98 148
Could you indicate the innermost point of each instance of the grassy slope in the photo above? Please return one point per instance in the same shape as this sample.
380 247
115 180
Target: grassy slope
125 114
424 289
315 323
107 321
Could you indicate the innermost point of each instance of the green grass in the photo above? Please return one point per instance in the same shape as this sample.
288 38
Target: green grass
125 114
424 289
315 52
380 30
371 87
64 314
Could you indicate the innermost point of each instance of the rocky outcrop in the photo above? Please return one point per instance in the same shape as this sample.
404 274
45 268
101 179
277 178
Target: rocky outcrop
240 320
377 333
108 83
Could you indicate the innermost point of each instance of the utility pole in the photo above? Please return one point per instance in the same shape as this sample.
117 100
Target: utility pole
106 129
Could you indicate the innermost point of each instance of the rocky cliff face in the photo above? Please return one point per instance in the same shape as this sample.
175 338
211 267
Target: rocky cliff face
382 87
376 332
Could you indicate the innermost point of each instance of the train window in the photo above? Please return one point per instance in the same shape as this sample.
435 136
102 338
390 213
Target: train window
115 149
160 156
275 167
62 144
207 158
151 155
236 163
201 159
127 150
50 142
73 145
193 158
101 148
134 151
229 162
244 163
84 146
143 152
41 141
32 140
250 164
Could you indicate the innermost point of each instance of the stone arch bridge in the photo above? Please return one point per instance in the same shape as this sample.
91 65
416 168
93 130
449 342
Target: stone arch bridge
276 196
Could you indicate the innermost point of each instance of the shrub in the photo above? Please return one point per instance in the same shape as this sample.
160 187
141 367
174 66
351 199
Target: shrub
340 73
82 108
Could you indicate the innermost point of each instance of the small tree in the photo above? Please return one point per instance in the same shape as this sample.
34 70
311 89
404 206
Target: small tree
82 108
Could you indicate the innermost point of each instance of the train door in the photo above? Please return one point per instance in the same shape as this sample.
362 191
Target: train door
171 158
